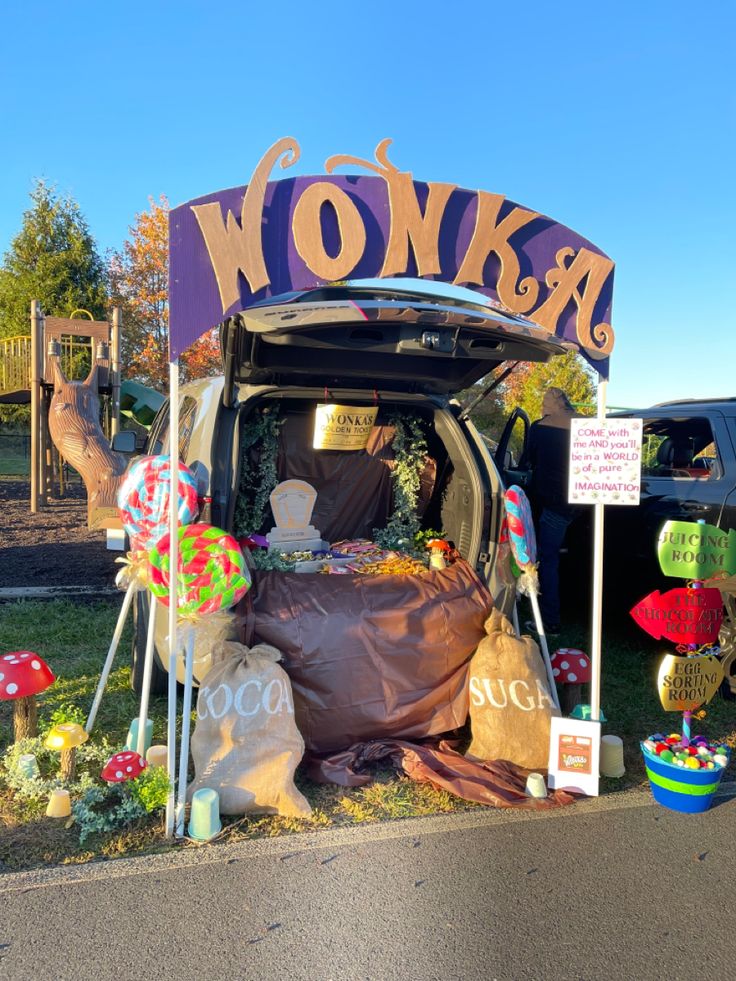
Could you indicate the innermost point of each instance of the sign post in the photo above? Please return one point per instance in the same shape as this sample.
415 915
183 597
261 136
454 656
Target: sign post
605 468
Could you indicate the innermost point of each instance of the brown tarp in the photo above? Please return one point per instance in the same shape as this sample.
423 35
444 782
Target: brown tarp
497 783
372 657
354 489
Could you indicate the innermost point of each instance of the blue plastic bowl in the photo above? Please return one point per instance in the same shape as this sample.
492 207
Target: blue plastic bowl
678 787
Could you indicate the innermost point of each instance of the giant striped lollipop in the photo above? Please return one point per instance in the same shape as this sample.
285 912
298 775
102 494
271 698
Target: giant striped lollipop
524 549
212 572
520 526
144 497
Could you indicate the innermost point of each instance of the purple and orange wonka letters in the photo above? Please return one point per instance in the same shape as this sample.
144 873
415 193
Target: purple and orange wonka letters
235 247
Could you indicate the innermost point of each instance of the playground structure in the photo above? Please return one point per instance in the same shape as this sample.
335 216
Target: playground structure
65 415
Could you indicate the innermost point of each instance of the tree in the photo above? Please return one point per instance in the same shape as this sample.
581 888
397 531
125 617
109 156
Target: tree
139 284
53 259
525 386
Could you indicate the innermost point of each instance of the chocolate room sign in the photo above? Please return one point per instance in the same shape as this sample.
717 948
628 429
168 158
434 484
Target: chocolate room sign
684 616
233 248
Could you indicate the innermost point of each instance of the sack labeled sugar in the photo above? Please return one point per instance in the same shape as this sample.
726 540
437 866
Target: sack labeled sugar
246 745
510 703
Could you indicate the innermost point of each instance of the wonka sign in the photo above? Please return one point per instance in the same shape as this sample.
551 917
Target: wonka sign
233 248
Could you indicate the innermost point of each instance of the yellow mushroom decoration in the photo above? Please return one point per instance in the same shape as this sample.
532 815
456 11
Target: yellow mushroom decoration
64 738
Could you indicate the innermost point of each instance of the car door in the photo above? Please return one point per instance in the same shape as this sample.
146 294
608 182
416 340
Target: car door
688 473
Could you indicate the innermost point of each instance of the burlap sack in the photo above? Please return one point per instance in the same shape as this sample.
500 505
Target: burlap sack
246 745
510 704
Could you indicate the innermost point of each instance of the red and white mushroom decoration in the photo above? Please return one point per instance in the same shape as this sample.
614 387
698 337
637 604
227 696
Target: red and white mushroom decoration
23 675
570 666
438 549
123 766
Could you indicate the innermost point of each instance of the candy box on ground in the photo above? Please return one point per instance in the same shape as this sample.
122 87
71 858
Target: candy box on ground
684 777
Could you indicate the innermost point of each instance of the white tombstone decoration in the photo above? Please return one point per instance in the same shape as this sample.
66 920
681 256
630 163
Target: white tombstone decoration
292 503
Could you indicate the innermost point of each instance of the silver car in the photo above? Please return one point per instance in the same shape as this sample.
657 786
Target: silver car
405 352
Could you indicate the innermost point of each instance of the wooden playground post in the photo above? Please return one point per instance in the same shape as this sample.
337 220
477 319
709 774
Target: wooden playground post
115 369
36 360
47 464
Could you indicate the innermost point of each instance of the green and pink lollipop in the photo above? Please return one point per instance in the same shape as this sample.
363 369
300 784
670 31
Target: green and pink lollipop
211 577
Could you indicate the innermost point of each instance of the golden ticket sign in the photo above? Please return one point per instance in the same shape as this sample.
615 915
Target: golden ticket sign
343 427
236 247
685 683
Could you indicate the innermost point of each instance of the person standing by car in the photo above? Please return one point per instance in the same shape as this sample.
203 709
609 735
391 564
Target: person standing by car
548 454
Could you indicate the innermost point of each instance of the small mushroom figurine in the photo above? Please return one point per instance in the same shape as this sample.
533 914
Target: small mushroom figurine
23 675
65 738
438 548
123 766
571 670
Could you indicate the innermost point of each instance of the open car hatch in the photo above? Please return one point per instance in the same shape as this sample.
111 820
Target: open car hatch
367 337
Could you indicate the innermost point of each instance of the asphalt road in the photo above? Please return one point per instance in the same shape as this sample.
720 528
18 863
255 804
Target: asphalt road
611 889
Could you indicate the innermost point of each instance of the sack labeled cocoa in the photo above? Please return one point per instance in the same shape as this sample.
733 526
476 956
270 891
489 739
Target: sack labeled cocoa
245 744
510 703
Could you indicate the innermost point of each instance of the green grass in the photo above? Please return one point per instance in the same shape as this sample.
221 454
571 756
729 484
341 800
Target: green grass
73 638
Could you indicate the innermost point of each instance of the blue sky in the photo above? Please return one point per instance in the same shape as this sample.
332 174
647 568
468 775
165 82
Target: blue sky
618 120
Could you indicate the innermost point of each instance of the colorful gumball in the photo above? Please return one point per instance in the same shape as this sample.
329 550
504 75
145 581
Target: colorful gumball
520 526
143 499
212 571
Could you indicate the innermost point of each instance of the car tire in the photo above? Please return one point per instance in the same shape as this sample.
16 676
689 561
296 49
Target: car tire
159 677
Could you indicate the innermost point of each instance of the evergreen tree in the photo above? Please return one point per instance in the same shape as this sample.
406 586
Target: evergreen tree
53 259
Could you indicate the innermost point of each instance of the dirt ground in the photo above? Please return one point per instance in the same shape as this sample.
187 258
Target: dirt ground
53 547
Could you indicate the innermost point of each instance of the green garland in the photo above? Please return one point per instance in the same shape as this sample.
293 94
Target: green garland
410 458
256 483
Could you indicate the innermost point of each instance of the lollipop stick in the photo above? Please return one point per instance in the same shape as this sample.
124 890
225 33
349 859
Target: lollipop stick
171 740
185 724
147 671
543 645
515 619
102 684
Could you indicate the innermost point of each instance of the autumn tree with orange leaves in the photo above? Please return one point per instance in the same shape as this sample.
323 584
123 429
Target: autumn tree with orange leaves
139 283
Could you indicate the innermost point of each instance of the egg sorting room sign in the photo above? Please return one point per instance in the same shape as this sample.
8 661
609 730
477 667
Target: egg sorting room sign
605 461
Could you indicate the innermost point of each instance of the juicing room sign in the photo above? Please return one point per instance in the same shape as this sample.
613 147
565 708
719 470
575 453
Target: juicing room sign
234 247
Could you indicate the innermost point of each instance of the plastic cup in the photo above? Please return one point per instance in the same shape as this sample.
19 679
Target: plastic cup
612 756
158 756
60 805
583 712
132 740
535 785
28 765
204 817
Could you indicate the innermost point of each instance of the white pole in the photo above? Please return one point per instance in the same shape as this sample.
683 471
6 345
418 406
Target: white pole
102 684
147 671
543 644
173 584
597 606
186 717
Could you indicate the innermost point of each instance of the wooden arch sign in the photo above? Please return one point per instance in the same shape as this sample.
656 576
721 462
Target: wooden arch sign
233 248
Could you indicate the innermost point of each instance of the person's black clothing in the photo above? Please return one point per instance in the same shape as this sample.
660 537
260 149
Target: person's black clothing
548 454
548 451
